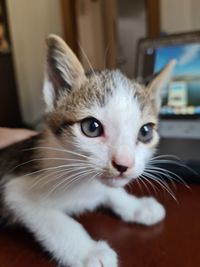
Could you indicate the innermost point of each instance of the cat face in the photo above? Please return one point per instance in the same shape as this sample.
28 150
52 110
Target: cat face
109 120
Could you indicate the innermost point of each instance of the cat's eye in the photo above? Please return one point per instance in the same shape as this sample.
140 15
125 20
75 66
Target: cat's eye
145 134
91 127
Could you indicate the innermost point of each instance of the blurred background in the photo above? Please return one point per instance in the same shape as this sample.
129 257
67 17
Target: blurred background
106 30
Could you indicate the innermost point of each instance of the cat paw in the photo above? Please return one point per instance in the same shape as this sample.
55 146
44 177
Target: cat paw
150 211
101 256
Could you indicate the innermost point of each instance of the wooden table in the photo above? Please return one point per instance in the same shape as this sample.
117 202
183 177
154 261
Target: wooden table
174 242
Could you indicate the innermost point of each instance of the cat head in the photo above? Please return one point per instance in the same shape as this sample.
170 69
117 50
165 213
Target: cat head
108 121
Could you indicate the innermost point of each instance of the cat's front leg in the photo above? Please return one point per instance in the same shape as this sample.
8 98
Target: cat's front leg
144 210
62 236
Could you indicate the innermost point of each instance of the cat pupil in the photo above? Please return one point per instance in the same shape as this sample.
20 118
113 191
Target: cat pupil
93 126
145 130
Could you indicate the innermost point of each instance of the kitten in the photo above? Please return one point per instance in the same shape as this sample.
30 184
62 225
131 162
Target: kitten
101 131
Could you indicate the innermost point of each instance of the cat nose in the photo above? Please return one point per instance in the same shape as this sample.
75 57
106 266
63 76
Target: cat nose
119 168
123 159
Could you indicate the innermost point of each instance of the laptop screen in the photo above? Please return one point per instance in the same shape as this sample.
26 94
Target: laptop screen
182 95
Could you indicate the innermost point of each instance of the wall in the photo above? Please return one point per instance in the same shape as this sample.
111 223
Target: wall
180 15
90 33
195 14
131 27
30 22
96 27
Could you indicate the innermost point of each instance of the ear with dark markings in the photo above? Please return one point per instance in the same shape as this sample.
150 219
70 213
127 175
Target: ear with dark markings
159 82
63 69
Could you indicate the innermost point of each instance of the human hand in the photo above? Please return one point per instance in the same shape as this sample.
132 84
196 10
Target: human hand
9 136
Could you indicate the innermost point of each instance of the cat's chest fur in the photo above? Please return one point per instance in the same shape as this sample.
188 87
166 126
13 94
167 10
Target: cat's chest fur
87 195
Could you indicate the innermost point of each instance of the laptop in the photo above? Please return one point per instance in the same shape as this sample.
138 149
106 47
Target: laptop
180 110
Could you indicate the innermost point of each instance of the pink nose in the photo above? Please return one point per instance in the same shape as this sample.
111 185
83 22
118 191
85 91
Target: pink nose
122 165
119 168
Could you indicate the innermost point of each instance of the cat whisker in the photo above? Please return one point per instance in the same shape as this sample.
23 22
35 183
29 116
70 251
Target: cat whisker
154 186
105 55
161 183
161 174
58 150
50 158
56 186
60 167
165 156
142 179
94 177
172 159
39 179
138 182
172 162
76 177
169 175
156 175
54 168
62 179
64 171
129 185
89 63
178 163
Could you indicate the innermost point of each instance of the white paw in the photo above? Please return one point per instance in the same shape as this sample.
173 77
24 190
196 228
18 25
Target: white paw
149 211
101 256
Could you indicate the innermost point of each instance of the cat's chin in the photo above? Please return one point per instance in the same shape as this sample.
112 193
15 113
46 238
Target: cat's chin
115 181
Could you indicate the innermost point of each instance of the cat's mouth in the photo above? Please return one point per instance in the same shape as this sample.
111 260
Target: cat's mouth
115 181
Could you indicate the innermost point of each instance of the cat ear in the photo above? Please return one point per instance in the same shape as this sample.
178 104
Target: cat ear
159 82
63 70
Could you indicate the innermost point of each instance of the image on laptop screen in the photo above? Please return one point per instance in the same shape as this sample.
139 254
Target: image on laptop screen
182 96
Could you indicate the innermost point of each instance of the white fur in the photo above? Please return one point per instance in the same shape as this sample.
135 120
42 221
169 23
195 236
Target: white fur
49 94
49 218
47 212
